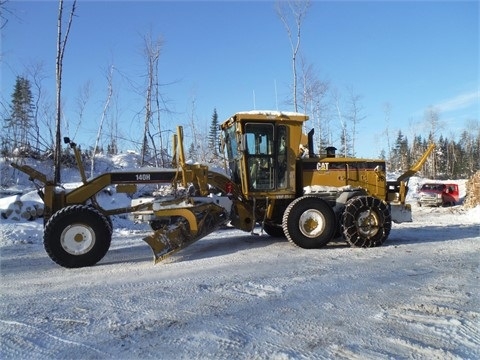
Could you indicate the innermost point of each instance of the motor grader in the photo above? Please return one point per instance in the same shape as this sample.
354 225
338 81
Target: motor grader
273 181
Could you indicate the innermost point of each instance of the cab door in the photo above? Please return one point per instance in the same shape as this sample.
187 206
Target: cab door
259 152
266 151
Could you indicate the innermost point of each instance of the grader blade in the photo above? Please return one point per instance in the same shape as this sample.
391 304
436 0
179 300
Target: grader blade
193 223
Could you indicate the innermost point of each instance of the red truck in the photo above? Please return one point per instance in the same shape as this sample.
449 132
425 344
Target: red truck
436 194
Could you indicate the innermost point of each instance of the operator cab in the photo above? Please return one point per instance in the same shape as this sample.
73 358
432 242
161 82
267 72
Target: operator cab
261 144
266 156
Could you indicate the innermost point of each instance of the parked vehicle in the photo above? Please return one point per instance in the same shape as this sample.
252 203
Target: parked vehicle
437 194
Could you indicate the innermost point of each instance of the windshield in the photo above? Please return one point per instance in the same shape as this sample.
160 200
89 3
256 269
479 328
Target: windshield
232 153
433 187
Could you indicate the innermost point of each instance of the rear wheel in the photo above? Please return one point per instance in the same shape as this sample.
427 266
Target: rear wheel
309 222
274 230
77 236
366 221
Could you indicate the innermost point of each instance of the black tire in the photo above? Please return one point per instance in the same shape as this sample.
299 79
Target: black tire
309 222
274 230
77 236
108 218
366 222
110 224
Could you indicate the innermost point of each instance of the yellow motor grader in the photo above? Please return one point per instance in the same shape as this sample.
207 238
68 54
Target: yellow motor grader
272 179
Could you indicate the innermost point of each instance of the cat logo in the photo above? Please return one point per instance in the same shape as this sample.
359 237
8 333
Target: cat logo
322 166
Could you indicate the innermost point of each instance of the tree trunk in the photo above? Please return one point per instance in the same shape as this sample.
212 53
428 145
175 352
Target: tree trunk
59 67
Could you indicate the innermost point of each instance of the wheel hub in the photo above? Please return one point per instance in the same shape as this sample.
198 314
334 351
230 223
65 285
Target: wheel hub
312 223
368 223
77 239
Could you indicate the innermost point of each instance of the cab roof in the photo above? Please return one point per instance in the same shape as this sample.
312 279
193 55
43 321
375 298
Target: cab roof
265 115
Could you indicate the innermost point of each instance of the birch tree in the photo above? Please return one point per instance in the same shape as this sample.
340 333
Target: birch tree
312 100
355 115
152 50
433 123
61 45
37 75
102 118
387 111
344 138
292 13
194 149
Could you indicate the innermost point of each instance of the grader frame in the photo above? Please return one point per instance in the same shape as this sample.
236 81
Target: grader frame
274 180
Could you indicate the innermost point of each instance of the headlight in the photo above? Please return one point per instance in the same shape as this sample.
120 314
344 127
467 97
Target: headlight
439 196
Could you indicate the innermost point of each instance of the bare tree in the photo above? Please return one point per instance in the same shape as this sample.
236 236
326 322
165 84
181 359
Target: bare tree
199 149
3 10
152 53
387 110
193 120
312 87
37 73
433 123
292 13
344 136
313 96
61 44
82 100
113 130
102 119
355 115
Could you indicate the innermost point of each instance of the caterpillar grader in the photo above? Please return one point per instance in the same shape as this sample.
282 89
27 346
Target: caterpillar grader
273 180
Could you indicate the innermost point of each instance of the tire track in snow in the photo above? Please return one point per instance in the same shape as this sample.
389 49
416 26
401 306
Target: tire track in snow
435 326
36 339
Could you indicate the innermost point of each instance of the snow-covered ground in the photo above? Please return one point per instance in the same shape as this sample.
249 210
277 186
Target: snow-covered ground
235 295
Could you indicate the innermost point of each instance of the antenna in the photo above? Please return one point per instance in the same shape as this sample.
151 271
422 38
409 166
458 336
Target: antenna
276 94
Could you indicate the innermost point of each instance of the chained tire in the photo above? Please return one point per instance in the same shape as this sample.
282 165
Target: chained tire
366 221
77 236
274 230
309 222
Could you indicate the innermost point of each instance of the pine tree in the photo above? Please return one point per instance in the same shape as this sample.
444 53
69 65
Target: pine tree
192 153
442 150
21 114
400 154
213 134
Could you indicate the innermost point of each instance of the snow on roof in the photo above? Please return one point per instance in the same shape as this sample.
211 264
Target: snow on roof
270 113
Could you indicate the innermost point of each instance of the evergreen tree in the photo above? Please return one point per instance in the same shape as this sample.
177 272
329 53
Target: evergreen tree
21 115
213 134
192 153
442 155
457 164
400 154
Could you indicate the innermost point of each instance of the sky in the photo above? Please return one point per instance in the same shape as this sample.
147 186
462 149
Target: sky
235 56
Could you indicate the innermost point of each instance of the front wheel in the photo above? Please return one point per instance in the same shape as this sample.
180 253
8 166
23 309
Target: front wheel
77 236
366 221
309 222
